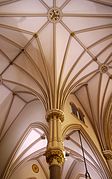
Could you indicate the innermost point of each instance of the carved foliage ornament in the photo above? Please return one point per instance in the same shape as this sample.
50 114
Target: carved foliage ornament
54 15
55 154
55 112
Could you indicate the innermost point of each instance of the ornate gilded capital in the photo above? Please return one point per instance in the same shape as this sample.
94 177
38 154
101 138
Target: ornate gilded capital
107 154
55 112
54 156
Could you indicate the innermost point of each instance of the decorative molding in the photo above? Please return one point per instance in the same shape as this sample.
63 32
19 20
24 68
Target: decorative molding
103 68
55 156
107 154
35 168
55 112
54 15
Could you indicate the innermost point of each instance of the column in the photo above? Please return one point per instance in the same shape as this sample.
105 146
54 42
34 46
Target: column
55 148
108 155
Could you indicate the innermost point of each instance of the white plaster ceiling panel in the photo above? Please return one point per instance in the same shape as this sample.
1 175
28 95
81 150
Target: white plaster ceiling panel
16 87
31 24
26 64
27 96
85 7
16 106
46 56
66 167
99 47
89 38
73 146
25 171
4 61
27 147
4 109
20 76
33 135
32 6
10 50
15 35
89 23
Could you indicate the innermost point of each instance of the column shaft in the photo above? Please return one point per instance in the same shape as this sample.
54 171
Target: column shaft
54 153
55 172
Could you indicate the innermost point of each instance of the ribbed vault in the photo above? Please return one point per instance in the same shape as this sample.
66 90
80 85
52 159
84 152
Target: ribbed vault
50 49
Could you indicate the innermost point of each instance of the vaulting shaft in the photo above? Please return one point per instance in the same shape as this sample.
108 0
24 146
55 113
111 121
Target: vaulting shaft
54 153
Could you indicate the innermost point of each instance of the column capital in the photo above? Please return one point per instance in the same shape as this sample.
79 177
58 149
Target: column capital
55 156
107 154
55 112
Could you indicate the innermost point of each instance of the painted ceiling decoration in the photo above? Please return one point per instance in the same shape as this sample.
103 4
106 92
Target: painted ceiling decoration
51 50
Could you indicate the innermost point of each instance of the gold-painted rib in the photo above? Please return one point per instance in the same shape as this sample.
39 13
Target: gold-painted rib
108 58
35 92
100 41
68 74
54 3
36 130
23 14
36 81
103 98
36 68
26 149
5 55
44 4
109 62
10 63
79 72
104 49
67 91
11 41
69 172
65 26
54 68
16 29
13 92
43 26
8 2
6 117
12 123
98 102
62 68
64 4
84 15
24 92
46 70
93 28
102 2
77 39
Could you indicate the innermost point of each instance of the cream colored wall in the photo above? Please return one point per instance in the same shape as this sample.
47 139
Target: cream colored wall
70 119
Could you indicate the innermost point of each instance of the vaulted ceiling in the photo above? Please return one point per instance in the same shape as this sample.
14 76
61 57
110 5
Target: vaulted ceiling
50 49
